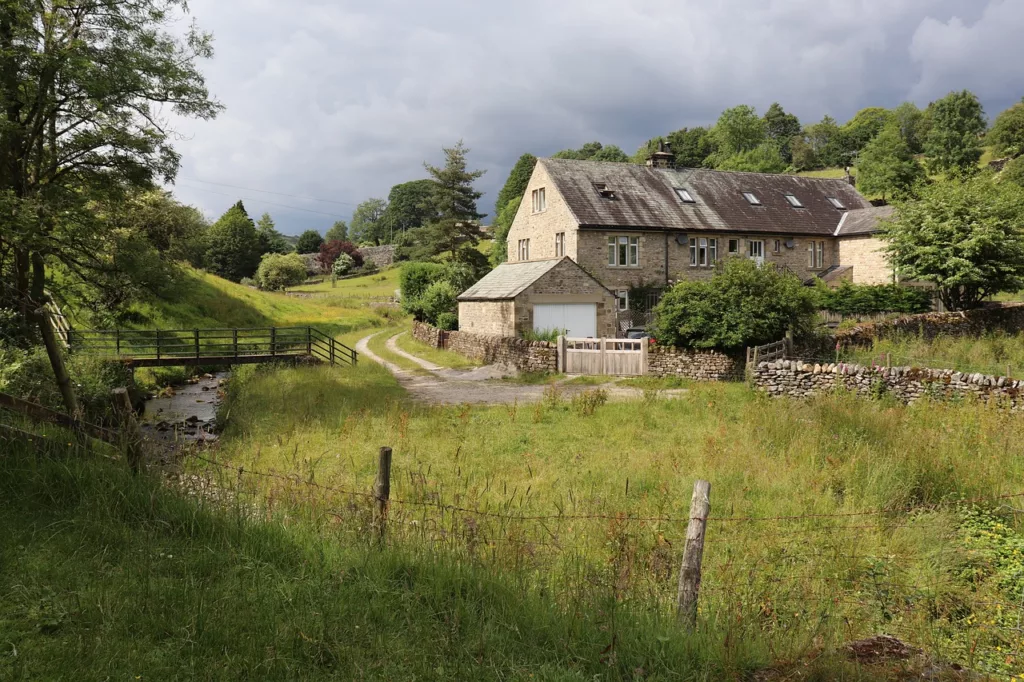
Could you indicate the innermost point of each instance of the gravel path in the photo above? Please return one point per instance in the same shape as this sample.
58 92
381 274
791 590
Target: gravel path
481 385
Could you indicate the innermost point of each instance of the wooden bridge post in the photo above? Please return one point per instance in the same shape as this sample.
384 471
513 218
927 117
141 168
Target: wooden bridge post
131 436
157 344
117 340
381 493
273 340
234 340
693 554
195 338
309 341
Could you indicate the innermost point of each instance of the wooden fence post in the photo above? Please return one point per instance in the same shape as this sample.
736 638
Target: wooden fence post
195 337
381 493
157 344
563 346
131 436
273 340
234 340
693 554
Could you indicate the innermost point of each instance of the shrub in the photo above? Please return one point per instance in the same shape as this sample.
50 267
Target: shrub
741 305
329 252
586 402
448 321
343 265
278 271
248 282
549 335
439 298
863 299
413 281
309 242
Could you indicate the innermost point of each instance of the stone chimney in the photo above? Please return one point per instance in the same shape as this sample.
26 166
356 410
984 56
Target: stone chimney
663 158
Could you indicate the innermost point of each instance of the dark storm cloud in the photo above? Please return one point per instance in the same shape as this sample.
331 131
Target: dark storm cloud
342 100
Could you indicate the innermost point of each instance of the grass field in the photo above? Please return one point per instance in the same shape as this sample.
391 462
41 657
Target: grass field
438 356
997 353
384 283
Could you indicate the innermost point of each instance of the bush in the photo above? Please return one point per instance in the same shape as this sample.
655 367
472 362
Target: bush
309 242
343 265
329 252
863 299
741 305
413 281
439 298
278 271
248 282
448 321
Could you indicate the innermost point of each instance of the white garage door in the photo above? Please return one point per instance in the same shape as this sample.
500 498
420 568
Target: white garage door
580 319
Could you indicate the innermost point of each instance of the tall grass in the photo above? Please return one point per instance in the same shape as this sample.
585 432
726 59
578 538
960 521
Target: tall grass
994 353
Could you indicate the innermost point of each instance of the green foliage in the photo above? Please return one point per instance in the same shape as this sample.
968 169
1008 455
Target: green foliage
887 167
765 158
342 265
864 126
1007 134
781 128
585 403
953 144
439 298
610 153
515 185
741 305
549 335
368 224
279 271
337 233
408 207
502 225
738 130
413 281
232 245
309 242
448 321
1013 172
913 125
593 151
270 240
962 235
867 299
691 146
454 203
823 145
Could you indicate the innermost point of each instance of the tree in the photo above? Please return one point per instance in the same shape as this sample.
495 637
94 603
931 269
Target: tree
610 153
828 143
233 250
502 225
515 185
1007 134
953 143
454 202
741 305
329 252
337 233
738 130
593 151
913 125
309 242
765 158
781 127
962 235
278 271
864 126
408 207
887 167
270 240
342 265
86 87
691 146
1013 172
368 225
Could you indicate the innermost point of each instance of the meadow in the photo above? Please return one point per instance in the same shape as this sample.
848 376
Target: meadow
996 353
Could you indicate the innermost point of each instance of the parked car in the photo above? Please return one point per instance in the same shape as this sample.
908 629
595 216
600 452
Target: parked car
636 333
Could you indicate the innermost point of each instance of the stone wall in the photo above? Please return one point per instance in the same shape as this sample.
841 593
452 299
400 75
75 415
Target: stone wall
381 256
525 356
797 379
696 365
1008 318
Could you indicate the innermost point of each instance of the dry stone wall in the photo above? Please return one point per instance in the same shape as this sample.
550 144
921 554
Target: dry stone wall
381 256
1008 318
798 379
696 365
525 356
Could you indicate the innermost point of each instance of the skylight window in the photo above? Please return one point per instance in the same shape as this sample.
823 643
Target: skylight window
793 201
752 198
836 203
685 196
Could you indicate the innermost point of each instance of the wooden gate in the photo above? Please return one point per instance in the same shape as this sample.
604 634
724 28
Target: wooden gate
617 357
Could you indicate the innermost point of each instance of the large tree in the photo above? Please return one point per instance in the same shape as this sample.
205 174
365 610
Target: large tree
593 151
408 207
738 130
86 87
864 126
502 225
515 185
886 166
953 145
368 226
270 240
454 202
337 233
309 242
782 127
233 245
1007 134
962 235
913 125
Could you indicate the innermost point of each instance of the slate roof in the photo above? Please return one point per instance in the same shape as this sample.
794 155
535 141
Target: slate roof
863 221
645 198
508 280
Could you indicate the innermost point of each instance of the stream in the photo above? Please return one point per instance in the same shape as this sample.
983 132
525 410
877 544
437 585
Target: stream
187 413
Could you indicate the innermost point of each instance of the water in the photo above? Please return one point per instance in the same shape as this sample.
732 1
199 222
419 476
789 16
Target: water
186 413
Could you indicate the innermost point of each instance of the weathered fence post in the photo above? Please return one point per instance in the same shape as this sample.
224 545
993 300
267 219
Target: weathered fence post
157 344
131 436
381 493
117 340
234 340
693 554
195 338
309 340
563 346
273 340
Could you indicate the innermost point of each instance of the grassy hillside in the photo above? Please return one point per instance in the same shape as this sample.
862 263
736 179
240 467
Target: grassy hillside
382 284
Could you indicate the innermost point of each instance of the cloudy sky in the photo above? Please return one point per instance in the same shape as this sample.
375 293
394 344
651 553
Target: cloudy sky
329 102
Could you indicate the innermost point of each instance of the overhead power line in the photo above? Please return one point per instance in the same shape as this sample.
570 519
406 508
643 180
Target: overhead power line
267 191
259 199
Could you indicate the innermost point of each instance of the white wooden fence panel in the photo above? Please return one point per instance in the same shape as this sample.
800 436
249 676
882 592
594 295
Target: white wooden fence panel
615 357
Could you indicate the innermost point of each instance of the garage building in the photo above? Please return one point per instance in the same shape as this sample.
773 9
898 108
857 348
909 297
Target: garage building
515 298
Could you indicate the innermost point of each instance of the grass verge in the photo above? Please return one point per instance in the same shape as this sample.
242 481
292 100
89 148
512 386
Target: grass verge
438 356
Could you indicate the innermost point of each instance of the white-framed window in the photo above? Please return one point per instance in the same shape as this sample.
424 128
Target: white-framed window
777 246
559 244
540 202
793 201
751 198
622 299
524 249
703 252
623 252
836 203
734 247
816 255
755 249
685 196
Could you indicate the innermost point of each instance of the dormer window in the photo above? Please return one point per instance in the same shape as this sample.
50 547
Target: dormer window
836 203
604 190
793 201
752 198
685 196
